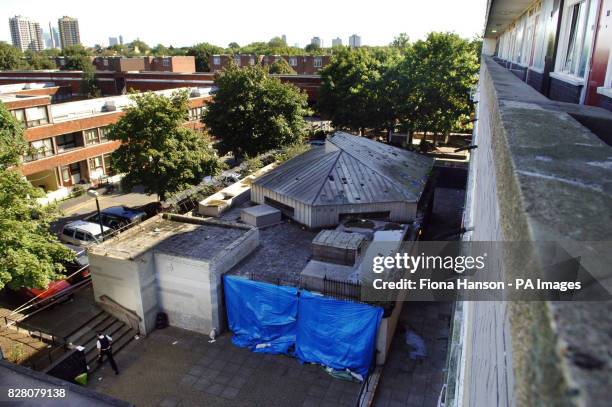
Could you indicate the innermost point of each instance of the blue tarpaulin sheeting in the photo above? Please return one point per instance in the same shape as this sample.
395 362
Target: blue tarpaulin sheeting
261 316
335 333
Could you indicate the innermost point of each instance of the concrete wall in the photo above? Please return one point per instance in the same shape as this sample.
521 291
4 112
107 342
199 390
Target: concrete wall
130 283
189 290
523 353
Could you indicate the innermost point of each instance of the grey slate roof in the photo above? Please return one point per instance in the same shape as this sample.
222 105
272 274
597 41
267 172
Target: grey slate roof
350 170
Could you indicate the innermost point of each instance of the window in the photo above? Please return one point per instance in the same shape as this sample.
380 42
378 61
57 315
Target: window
68 232
293 61
576 36
40 149
108 169
251 60
80 235
19 114
166 62
103 133
237 60
105 62
95 163
65 142
318 62
216 60
91 136
36 116
195 113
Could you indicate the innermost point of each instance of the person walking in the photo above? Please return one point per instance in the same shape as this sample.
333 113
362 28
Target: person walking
105 348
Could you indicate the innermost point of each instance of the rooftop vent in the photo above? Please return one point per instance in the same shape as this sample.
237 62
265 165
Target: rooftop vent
109 106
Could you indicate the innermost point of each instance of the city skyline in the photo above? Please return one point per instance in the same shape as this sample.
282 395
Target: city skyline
184 29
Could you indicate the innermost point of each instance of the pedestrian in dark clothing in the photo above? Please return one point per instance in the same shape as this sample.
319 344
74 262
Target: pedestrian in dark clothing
105 348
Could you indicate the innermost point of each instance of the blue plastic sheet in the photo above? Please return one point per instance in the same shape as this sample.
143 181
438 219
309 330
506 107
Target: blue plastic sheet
335 333
261 316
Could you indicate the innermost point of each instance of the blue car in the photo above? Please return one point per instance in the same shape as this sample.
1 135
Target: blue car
118 217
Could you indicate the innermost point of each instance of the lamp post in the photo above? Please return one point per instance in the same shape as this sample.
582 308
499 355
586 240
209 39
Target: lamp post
95 194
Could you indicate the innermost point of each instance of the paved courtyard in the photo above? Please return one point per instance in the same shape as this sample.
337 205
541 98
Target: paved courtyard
174 367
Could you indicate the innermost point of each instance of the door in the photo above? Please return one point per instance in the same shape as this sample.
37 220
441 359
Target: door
71 174
601 53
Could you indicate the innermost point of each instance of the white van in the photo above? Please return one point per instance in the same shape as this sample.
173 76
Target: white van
83 233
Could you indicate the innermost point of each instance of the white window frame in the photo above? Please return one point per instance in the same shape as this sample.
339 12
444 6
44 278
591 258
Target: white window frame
318 62
606 89
237 60
293 61
571 75
216 60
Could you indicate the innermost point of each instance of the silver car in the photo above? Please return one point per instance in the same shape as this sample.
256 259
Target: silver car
82 233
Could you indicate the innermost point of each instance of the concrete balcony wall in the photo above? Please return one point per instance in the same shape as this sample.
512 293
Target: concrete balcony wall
537 175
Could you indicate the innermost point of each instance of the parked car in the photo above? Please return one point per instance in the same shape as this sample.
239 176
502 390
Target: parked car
83 233
80 263
118 217
42 294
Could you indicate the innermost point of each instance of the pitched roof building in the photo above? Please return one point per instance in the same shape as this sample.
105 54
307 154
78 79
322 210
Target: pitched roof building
349 176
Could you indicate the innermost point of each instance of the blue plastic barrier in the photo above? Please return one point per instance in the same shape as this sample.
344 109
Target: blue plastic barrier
262 316
335 333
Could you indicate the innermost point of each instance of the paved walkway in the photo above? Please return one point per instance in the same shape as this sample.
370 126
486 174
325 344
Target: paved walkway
410 382
175 367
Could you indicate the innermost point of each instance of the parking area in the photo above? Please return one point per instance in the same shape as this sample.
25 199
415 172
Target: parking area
174 367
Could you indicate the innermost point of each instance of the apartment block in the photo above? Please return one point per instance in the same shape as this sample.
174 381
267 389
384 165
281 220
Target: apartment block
69 31
70 139
301 64
560 49
354 41
26 34
184 64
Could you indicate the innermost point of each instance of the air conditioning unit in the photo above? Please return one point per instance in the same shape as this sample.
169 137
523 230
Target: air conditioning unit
109 106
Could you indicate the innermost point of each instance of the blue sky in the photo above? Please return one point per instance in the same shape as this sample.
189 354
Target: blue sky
185 22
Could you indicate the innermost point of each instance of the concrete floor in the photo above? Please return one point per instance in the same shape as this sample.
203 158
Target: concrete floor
175 367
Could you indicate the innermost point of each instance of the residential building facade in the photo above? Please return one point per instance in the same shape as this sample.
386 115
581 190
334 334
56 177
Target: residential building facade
562 49
70 139
26 34
69 31
184 64
539 174
301 64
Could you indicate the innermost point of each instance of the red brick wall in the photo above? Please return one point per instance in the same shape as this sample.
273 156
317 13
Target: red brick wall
68 157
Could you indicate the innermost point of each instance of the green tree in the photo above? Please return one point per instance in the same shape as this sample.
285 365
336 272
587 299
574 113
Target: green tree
435 79
356 88
30 255
202 52
402 41
157 150
312 48
252 112
38 60
10 57
139 47
281 67
160 50
234 46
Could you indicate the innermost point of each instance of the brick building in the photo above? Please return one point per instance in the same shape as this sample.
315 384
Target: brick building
117 83
562 49
185 64
301 64
71 138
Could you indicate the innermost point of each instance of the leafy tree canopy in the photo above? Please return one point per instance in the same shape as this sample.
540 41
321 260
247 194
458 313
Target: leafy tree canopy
202 52
30 255
10 57
139 47
252 112
38 60
281 67
157 150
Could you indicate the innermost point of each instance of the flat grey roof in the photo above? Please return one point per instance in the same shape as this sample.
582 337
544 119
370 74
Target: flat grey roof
351 170
177 235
